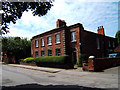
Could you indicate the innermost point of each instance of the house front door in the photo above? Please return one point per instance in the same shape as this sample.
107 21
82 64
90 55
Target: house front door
74 56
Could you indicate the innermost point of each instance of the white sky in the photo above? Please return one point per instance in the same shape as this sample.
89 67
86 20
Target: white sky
90 14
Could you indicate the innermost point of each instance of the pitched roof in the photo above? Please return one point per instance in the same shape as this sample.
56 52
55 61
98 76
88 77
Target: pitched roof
57 29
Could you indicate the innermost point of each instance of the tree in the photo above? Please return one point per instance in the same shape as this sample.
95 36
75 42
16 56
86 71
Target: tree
15 46
118 36
14 10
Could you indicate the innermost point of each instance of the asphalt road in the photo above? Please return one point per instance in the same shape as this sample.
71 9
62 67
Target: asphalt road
15 77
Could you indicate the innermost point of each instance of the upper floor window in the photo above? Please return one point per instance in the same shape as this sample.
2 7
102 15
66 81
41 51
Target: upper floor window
113 44
98 43
57 38
109 43
58 52
42 42
73 36
36 43
49 40
49 52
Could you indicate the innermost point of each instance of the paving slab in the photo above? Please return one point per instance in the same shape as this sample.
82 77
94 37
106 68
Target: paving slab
46 69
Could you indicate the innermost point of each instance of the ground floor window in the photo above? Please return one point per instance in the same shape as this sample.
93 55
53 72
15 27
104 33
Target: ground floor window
49 52
42 53
36 54
58 52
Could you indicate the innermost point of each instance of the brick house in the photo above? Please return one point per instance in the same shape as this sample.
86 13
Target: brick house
72 40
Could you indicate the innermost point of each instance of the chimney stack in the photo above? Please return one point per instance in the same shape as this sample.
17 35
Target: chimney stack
101 30
60 23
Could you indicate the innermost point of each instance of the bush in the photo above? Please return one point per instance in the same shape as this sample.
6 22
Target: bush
28 60
82 57
21 60
54 61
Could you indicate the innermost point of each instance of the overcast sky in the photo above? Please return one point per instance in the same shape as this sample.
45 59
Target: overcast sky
89 14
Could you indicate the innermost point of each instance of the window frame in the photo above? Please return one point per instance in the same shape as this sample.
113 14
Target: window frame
57 38
37 53
73 36
49 40
56 52
109 43
42 42
113 44
42 53
98 43
36 44
49 54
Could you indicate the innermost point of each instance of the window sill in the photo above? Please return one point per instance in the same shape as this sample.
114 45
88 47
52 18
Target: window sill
57 43
74 41
42 46
49 44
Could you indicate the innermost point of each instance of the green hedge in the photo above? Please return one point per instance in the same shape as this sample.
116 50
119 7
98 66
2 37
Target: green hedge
28 60
50 61
55 61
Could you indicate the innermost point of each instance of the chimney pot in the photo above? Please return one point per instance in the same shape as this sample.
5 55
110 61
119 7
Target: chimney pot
101 30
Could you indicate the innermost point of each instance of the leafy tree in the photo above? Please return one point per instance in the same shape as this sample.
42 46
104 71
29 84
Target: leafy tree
118 36
15 46
14 10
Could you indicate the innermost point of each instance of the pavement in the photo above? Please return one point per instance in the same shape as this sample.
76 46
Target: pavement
46 69
113 70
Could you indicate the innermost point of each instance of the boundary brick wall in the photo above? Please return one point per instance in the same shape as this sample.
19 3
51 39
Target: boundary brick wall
99 64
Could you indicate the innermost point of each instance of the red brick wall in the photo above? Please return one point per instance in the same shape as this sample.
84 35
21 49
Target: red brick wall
71 45
89 44
75 44
46 47
98 64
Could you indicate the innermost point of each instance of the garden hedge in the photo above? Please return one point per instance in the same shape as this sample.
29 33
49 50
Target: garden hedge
28 60
55 61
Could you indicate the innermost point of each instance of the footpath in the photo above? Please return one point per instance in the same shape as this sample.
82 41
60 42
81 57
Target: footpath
46 69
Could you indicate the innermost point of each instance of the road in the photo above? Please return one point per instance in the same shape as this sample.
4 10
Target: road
20 77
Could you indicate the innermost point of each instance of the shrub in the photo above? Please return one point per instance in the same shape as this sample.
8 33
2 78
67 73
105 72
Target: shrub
28 60
21 60
54 61
82 57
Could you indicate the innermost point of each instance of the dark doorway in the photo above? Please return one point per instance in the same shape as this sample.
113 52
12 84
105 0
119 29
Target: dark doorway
74 56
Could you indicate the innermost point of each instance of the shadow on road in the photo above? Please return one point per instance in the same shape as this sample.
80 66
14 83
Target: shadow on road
43 87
